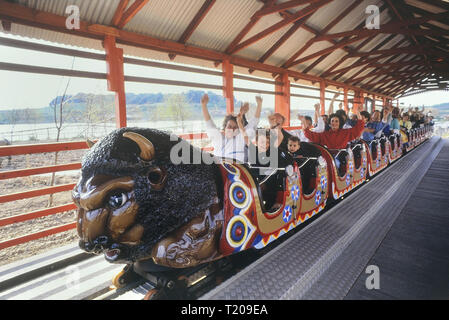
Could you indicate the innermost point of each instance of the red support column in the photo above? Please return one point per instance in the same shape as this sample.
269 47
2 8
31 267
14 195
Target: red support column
345 100
358 100
282 102
116 78
322 97
228 85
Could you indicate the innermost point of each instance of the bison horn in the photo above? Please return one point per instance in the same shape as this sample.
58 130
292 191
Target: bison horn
145 145
90 143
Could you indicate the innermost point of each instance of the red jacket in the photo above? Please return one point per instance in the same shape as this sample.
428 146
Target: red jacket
337 139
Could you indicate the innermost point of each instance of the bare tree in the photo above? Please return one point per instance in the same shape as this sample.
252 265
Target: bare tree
176 108
58 121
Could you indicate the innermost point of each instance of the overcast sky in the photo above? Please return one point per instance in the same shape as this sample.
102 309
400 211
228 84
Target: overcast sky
26 90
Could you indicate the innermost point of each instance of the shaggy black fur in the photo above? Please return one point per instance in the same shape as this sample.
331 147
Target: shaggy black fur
190 188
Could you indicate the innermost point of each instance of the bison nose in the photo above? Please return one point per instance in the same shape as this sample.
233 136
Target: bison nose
97 246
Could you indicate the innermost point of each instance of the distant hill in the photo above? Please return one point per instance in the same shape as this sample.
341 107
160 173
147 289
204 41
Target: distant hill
91 107
441 109
95 108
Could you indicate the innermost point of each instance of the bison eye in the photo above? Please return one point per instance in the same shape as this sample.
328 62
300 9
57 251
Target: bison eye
155 176
116 200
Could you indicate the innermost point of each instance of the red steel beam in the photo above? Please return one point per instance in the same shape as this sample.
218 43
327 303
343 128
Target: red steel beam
323 97
42 148
282 102
36 193
40 170
228 85
345 99
116 78
37 235
37 214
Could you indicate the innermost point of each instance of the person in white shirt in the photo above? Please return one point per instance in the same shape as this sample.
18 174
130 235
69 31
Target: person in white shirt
230 143
320 127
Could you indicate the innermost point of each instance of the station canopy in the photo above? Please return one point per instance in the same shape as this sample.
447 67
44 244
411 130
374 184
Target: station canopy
343 43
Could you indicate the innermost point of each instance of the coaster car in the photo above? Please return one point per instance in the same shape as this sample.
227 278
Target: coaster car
249 221
378 153
347 168
395 147
137 205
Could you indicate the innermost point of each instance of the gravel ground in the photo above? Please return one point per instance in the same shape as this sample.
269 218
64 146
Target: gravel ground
12 254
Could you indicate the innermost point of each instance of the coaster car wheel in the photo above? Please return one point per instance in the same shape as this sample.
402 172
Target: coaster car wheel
124 277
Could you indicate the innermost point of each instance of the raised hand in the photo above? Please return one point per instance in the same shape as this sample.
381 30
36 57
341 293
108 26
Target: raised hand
205 99
244 108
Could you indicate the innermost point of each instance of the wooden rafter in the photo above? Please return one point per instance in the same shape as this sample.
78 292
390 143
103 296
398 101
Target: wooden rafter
389 52
401 84
40 19
119 12
317 33
298 24
358 47
402 13
201 14
252 22
391 27
326 29
394 72
205 8
282 7
386 77
379 46
279 25
6 25
374 64
339 45
131 12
